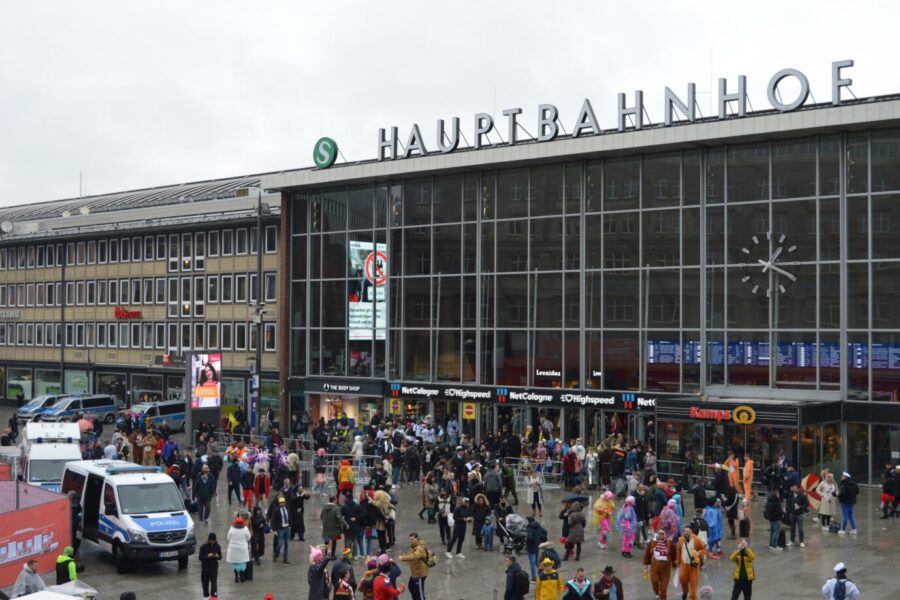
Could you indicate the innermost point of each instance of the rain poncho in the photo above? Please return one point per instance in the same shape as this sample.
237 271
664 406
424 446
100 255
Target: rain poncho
679 510
626 520
713 518
668 522
603 509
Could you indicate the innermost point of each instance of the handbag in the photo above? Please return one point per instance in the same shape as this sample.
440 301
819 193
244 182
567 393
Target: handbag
267 530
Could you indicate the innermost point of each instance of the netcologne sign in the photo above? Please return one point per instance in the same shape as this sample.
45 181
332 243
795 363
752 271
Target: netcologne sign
548 123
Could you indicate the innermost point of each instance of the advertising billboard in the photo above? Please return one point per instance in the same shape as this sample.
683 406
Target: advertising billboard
206 380
366 298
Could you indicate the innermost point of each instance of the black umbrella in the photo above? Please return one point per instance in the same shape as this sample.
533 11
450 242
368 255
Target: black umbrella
575 498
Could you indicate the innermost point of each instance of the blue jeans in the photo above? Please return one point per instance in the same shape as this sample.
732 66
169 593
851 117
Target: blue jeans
281 540
395 475
774 530
532 562
847 513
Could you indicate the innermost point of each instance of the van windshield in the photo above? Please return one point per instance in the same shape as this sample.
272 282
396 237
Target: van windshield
150 498
47 470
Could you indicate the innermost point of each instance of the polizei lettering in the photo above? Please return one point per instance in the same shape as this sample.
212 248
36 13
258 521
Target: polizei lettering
731 96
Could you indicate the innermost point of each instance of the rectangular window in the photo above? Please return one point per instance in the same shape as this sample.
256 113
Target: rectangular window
212 336
213 243
112 335
123 335
160 335
12 266
4 340
148 334
29 294
199 295
240 336
149 250
2 259
20 334
124 291
173 297
124 256
135 335
52 297
92 252
253 240
79 335
29 334
20 294
79 253
227 242
91 293
38 334
226 337
160 290
199 251
137 251
135 291
101 335
269 333
102 256
253 331
185 296
212 289
59 256
227 293
186 336
113 291
70 255
172 336
240 289
70 293
41 252
79 293
199 336
113 251
174 256
38 295
271 239
11 300
148 291
160 247
254 287
240 244
89 335
29 257
187 252
70 334
270 287
101 292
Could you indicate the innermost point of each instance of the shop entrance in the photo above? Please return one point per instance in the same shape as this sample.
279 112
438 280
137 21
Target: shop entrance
539 422
343 409
601 424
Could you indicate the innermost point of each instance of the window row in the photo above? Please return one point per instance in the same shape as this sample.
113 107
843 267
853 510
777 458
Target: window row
146 335
184 252
190 293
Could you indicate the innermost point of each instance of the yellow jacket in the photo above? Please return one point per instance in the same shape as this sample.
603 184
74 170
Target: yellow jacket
345 474
416 558
549 587
603 509
748 563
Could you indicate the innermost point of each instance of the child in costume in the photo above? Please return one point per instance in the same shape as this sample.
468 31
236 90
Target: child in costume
627 523
603 511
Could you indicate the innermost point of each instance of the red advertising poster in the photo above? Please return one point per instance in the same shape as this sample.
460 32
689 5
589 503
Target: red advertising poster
4 472
39 532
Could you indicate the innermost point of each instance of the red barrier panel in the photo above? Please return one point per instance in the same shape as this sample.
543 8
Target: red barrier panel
39 530
5 472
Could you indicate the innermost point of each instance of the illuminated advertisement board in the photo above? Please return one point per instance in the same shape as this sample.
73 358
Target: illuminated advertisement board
206 380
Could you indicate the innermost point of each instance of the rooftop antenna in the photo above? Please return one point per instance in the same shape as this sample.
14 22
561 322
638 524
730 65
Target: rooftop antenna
81 184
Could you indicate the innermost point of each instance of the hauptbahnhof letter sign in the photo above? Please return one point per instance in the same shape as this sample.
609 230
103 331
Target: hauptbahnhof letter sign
548 124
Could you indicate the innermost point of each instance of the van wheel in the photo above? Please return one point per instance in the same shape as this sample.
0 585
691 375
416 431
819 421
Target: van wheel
109 418
182 562
119 558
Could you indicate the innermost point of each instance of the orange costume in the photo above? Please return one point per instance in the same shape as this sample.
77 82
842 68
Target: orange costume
732 465
748 478
687 559
659 556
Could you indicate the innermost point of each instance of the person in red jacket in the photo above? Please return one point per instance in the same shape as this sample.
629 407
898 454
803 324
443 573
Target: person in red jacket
261 486
382 588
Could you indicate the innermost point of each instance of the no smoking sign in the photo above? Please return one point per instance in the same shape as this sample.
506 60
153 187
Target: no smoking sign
376 267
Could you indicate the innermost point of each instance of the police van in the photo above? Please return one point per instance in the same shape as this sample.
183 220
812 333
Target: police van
33 409
46 449
134 512
171 412
102 407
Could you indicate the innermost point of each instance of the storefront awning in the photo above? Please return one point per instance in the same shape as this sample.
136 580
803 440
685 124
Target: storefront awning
746 411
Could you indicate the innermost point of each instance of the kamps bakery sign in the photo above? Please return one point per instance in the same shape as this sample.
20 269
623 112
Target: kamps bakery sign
677 109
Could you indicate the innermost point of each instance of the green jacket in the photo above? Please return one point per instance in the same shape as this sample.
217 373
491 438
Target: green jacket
65 572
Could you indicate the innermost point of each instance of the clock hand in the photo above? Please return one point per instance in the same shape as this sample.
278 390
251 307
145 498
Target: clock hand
783 272
775 255
765 264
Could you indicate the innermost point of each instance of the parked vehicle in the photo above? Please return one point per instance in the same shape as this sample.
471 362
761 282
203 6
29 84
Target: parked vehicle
46 449
172 412
98 406
33 409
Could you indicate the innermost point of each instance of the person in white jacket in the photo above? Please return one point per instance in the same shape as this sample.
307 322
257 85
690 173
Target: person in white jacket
838 582
238 552
28 581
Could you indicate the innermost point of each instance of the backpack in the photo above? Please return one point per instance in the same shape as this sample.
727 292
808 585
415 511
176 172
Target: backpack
840 590
430 559
521 583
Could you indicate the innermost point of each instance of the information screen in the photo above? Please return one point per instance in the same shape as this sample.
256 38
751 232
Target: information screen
206 380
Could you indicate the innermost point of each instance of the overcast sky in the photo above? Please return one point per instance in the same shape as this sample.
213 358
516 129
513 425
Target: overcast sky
138 94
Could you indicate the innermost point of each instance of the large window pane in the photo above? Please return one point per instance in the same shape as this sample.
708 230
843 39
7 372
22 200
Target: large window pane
334 211
886 160
829 229
829 360
360 358
621 244
333 353
795 360
417 299
547 358
417 352
447 249
359 208
546 300
447 199
794 307
593 297
829 166
886 226
334 301
886 367
857 358
663 296
744 224
334 255
661 238
573 189
593 235
662 358
715 236
593 175
621 360
662 181
621 183
796 222
690 234
858 295
447 300
512 245
546 239
512 357
748 173
857 163
418 251
512 301
512 193
691 356
690 298
886 295
620 296
417 202
593 360
794 169
857 234
447 367
546 190
748 358
747 309
715 357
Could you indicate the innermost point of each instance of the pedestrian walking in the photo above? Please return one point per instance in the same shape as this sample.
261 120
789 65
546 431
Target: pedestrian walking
797 507
66 569
609 586
238 553
659 557
578 588
233 475
417 557
258 527
549 582
627 523
317 574
296 496
839 587
688 558
535 494
744 575
28 581
280 522
517 580
204 489
210 554
462 516
748 478
575 538
481 510
603 511
847 493
535 535
332 523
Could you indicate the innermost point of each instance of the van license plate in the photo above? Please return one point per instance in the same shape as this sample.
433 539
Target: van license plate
168 554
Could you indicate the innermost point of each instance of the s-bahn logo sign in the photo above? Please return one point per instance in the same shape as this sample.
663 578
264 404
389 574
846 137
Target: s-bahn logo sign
742 415
325 152
731 95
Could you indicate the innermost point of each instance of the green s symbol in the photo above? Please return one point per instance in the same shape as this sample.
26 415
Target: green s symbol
325 152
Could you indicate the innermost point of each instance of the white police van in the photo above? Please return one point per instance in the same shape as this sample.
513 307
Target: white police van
134 512
46 449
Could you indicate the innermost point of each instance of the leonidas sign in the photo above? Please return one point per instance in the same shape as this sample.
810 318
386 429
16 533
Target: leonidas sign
548 122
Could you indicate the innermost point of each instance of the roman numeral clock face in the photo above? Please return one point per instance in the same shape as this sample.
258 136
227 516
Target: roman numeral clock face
768 271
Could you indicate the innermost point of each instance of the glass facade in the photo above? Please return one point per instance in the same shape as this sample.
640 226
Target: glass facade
773 265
